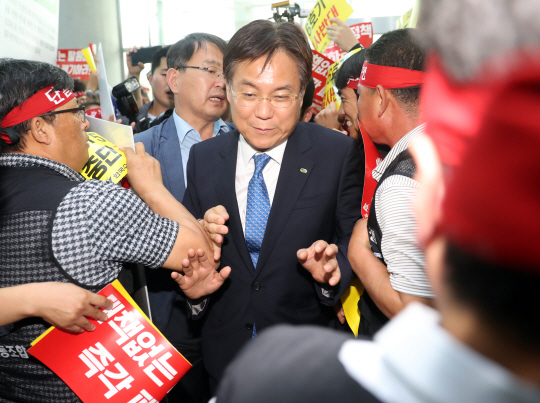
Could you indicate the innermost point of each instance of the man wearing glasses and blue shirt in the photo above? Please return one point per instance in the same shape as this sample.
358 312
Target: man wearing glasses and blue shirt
195 76
292 194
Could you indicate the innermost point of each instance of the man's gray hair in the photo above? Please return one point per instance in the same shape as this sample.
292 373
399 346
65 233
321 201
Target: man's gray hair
466 33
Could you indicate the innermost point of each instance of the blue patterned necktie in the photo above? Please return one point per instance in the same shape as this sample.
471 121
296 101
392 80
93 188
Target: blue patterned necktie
258 208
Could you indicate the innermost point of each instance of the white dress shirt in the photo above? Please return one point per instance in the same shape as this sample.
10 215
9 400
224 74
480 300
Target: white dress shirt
245 167
414 360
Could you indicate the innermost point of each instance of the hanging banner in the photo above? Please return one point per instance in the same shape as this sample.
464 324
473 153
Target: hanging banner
319 72
363 32
319 17
125 360
372 159
73 62
29 29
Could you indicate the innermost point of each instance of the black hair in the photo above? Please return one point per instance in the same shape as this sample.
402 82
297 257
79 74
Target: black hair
399 49
181 52
79 86
506 298
308 96
351 68
156 59
263 38
19 80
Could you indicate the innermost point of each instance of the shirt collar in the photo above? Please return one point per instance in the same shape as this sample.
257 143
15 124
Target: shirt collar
248 152
400 146
17 160
183 128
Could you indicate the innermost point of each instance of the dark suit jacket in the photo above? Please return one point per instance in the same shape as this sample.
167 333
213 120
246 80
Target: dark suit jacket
323 203
162 143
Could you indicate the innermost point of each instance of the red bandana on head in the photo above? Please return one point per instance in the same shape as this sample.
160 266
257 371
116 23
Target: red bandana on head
353 83
390 77
42 102
486 130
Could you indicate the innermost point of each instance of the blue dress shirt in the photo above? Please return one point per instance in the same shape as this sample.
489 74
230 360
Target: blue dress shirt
188 136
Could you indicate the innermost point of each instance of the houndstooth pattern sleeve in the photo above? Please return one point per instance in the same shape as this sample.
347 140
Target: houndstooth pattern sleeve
99 225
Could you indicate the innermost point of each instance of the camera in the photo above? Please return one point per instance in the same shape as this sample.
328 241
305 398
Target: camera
125 100
289 13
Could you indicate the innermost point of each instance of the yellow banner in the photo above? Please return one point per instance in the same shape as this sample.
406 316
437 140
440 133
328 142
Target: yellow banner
106 161
319 17
410 18
330 93
87 53
349 301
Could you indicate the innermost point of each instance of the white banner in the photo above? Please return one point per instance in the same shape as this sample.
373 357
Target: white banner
29 29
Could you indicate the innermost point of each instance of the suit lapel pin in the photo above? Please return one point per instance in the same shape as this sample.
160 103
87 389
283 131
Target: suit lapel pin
303 170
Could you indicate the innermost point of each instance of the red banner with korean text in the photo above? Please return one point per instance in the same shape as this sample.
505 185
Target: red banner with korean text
319 71
350 298
74 63
372 159
363 32
125 360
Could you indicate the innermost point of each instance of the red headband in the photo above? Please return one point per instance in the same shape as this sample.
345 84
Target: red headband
390 77
353 83
42 102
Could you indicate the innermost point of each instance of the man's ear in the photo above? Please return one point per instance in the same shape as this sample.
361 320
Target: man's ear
308 114
42 131
172 80
228 91
384 100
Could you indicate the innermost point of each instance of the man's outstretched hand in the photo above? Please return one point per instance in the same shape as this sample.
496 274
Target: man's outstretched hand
200 278
214 225
321 261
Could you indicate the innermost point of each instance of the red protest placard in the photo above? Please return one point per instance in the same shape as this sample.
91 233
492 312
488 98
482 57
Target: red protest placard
126 359
363 32
319 71
74 63
372 159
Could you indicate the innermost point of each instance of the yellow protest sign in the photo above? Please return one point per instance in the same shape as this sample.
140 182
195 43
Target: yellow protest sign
330 93
349 301
87 53
319 17
106 161
410 18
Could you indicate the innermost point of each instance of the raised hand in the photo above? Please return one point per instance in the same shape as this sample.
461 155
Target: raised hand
329 117
214 225
200 278
144 171
341 34
133 71
321 261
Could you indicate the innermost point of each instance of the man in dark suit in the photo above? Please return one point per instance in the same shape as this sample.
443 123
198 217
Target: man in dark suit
292 192
195 77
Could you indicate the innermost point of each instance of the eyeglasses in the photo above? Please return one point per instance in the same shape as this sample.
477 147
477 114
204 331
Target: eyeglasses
80 111
250 99
212 72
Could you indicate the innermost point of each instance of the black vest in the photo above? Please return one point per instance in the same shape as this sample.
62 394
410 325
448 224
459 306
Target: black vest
29 198
372 319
